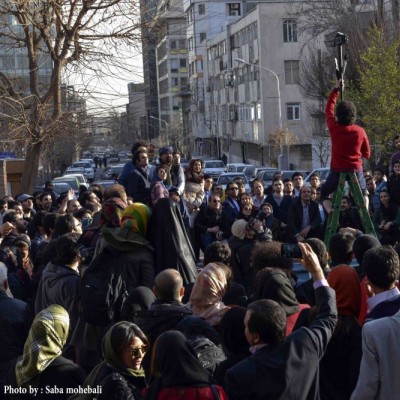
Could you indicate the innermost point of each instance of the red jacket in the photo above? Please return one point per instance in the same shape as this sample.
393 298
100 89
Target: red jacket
349 143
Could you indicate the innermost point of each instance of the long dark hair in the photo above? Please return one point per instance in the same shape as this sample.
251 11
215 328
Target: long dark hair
388 213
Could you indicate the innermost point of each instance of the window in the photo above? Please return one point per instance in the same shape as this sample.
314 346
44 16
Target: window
293 111
203 36
202 9
191 43
289 30
182 62
233 9
172 44
292 72
174 65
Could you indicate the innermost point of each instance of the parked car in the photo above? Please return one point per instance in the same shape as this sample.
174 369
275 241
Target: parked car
236 167
113 158
111 171
81 178
72 181
214 168
288 174
104 183
88 169
227 177
74 170
251 171
267 175
322 172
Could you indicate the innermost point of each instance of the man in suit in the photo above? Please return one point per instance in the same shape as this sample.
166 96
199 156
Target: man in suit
381 267
303 217
231 204
380 367
284 368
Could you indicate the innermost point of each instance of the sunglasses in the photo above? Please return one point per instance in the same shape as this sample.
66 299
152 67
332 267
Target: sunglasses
135 352
216 201
247 208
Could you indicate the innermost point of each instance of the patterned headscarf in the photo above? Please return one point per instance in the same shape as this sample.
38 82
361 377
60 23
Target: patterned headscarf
206 297
46 339
111 212
136 218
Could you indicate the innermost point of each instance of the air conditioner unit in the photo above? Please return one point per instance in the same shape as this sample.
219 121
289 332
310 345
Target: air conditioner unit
234 13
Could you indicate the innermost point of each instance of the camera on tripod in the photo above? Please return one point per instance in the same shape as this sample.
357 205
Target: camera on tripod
340 39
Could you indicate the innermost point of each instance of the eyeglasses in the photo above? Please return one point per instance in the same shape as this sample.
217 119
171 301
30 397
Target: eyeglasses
247 208
135 351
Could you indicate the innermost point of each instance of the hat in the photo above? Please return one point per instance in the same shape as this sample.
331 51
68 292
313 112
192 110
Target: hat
165 150
239 228
23 197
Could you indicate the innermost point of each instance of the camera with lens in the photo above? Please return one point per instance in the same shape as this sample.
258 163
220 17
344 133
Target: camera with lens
340 39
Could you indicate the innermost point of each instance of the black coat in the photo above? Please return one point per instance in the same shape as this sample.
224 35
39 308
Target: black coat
208 218
280 211
295 218
288 370
168 236
138 185
15 321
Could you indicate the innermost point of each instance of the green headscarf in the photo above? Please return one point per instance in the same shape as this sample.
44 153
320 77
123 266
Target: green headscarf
112 359
46 339
136 218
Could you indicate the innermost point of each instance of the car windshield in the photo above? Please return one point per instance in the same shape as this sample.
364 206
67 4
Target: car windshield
82 165
214 164
268 175
72 182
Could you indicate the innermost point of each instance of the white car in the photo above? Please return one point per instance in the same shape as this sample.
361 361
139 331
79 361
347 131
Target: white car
224 179
88 169
81 178
213 167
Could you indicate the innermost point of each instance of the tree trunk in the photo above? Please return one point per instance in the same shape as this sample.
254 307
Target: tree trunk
31 168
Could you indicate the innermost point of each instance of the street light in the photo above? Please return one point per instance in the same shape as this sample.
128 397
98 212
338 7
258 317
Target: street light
240 60
166 127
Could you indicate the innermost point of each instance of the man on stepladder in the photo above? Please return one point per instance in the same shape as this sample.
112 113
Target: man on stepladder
349 144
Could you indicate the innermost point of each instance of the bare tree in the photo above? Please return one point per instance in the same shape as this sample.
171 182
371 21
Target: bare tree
69 33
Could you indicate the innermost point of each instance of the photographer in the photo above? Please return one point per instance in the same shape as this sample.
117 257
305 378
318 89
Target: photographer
245 236
266 216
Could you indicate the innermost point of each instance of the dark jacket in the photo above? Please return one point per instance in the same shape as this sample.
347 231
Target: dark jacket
61 374
208 218
117 385
243 272
280 211
295 218
393 186
160 317
138 185
15 321
59 285
288 370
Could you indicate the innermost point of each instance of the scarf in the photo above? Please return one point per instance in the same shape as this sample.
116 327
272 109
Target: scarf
208 291
111 212
136 218
46 339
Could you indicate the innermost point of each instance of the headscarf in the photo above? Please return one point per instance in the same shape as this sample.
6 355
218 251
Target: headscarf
46 339
177 362
344 280
192 176
111 212
206 297
274 284
136 218
111 358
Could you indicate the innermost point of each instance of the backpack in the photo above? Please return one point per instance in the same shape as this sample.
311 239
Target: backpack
208 353
103 289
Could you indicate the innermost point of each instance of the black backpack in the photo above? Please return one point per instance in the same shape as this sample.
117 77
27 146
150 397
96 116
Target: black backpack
208 353
103 289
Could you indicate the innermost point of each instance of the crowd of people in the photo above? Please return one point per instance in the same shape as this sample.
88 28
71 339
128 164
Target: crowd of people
165 286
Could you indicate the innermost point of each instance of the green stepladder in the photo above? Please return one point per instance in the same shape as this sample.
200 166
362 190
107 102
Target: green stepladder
333 219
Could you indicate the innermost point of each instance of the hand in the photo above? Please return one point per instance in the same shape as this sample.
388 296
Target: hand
310 261
304 231
6 228
300 238
71 194
339 84
387 226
